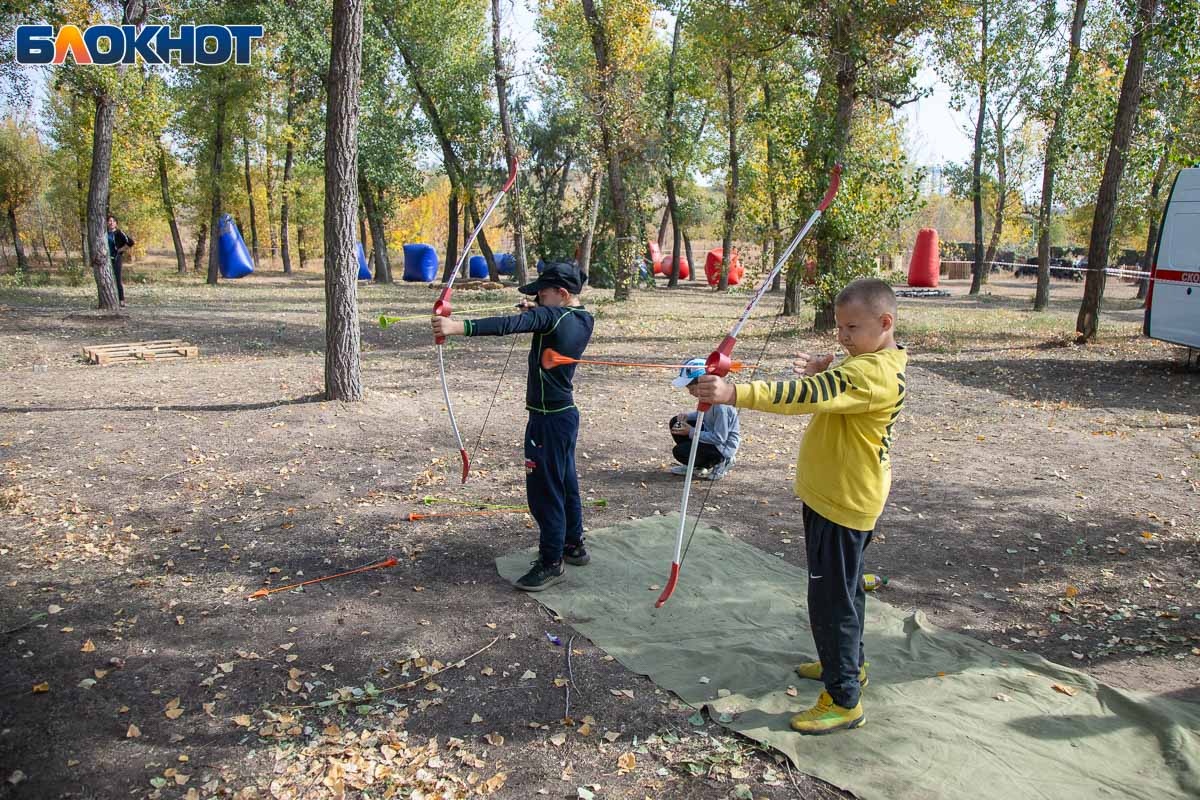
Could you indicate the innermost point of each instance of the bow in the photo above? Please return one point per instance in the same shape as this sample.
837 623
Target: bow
720 362
442 309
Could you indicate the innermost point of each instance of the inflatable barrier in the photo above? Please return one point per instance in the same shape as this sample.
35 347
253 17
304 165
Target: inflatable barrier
364 272
712 268
420 263
925 264
477 268
232 256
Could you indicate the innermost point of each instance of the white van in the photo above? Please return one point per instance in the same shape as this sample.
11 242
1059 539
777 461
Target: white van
1173 303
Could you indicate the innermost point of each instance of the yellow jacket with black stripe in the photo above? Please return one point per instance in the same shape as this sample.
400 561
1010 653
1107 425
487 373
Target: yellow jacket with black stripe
843 471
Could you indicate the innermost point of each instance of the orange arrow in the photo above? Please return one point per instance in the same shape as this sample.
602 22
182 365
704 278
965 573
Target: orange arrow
551 358
388 562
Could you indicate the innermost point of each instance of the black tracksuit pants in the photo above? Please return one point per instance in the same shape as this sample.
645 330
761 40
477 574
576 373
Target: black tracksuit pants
551 483
836 603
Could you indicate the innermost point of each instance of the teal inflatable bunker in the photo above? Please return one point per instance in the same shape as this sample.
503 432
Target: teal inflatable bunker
232 256
420 263
364 272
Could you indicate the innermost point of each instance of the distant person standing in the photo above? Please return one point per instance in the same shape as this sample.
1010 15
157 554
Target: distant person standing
118 245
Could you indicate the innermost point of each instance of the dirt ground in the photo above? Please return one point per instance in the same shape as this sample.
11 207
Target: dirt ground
1046 498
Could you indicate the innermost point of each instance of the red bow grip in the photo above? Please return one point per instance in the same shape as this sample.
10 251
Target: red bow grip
719 362
442 309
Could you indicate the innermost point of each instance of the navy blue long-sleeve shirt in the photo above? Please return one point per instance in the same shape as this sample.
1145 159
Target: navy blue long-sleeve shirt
566 329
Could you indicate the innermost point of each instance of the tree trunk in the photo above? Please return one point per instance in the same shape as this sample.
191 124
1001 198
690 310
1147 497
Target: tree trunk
452 215
516 214
1053 150
484 247
379 252
22 261
687 248
285 190
772 191
1154 212
612 152
1001 193
268 166
343 376
676 235
1088 320
845 81
41 217
585 248
214 217
169 207
301 250
250 200
201 241
977 269
662 225
106 285
731 184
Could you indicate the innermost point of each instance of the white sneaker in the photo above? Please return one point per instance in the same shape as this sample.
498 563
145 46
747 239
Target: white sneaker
679 469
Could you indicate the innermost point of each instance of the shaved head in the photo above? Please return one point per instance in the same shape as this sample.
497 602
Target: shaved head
872 293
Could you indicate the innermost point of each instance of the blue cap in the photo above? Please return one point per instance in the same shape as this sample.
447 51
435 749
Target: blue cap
691 370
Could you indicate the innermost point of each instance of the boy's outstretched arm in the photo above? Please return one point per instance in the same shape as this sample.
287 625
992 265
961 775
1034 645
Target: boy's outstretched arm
840 390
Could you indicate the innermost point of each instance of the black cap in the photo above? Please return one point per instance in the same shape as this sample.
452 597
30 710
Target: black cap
557 274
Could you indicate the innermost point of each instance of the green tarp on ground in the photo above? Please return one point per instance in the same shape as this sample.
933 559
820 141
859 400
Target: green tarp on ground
935 728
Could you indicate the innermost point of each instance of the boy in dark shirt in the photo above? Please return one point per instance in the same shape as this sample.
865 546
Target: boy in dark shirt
560 322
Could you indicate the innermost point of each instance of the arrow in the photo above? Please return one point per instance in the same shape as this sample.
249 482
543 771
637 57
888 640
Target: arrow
551 358
388 562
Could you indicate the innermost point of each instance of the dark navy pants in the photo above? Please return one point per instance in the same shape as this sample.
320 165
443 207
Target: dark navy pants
836 603
551 483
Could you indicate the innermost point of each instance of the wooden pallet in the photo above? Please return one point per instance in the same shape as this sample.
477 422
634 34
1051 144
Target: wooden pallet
127 352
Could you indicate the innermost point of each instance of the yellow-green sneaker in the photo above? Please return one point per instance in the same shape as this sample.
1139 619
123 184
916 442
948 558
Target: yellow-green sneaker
812 671
827 716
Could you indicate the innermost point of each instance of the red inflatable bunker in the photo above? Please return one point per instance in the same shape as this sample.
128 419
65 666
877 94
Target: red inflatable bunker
924 267
656 257
712 268
685 269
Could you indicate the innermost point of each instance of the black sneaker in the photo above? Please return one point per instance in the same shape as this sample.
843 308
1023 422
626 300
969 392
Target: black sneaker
576 555
540 577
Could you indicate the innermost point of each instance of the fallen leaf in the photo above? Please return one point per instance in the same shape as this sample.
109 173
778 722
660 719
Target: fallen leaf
476 719
791 691
529 675
1067 690
132 732
1072 591
611 736
41 688
53 609
583 793
243 720
88 647
626 762
558 739
494 739
1002 697
173 713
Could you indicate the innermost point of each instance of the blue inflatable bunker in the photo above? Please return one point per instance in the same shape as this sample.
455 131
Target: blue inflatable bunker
477 268
506 263
420 263
364 272
232 256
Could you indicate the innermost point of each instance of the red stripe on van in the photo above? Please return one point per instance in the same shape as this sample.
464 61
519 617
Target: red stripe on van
1182 276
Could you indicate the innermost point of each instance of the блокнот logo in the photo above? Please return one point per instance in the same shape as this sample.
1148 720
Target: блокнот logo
207 45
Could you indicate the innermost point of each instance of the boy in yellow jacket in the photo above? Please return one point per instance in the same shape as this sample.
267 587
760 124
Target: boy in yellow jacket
843 475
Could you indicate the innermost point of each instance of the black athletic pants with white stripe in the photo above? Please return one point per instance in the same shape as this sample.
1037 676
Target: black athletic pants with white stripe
836 603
